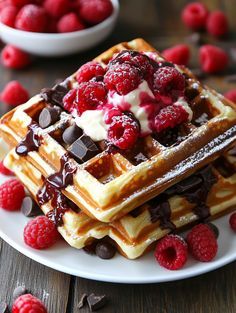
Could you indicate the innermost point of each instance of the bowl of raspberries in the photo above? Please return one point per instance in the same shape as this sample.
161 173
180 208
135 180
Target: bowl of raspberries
56 27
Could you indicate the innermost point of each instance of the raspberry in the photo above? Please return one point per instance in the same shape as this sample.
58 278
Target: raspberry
111 112
171 252
194 15
95 11
168 81
88 71
231 95
40 233
31 18
213 59
68 100
202 243
123 78
19 3
14 94
123 132
232 221
4 170
12 194
69 23
217 24
28 304
4 4
178 54
14 58
8 15
57 8
170 116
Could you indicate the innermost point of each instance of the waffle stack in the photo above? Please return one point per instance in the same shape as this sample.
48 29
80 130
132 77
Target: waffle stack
134 197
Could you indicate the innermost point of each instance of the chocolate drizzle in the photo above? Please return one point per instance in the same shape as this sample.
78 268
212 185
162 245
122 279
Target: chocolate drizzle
31 142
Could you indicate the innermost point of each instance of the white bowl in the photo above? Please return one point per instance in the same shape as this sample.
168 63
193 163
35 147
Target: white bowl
44 44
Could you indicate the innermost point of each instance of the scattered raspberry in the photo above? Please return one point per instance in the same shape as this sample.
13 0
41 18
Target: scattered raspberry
28 304
57 8
14 94
213 59
40 233
31 18
88 71
69 23
95 11
202 243
179 54
231 95
4 170
170 116
217 24
14 58
20 3
171 252
232 221
123 131
12 194
194 15
123 78
8 15
69 99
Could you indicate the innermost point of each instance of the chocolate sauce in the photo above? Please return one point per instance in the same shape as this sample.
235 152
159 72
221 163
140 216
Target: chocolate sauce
31 142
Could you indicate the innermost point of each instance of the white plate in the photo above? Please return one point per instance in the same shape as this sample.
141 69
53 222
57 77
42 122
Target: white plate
63 258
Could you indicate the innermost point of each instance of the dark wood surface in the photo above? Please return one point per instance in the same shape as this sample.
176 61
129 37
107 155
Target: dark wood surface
159 23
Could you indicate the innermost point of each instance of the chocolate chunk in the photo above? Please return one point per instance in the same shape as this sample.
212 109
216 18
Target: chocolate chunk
96 302
105 250
49 116
230 78
91 248
19 291
4 308
71 134
83 149
30 208
215 229
195 38
55 95
82 301
188 184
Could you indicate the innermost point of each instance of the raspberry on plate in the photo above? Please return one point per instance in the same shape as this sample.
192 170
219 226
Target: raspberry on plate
31 18
28 304
57 8
202 243
231 95
14 94
178 54
14 58
95 11
69 23
217 24
8 15
194 15
12 194
171 252
213 59
88 71
5 171
40 233
232 221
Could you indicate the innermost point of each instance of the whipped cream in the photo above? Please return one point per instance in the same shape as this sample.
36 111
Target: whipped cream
185 106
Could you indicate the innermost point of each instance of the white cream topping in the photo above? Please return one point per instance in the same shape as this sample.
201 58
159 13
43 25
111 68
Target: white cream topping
186 107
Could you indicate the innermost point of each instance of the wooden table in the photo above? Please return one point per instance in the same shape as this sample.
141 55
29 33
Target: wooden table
159 23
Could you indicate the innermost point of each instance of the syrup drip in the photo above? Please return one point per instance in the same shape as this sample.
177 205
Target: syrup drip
31 142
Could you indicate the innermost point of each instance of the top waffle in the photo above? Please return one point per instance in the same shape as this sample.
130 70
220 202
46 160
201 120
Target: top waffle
109 185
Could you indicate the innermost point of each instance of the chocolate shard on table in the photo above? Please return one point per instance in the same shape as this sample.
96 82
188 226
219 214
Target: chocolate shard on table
96 302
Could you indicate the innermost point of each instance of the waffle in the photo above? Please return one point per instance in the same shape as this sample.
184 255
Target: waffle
109 185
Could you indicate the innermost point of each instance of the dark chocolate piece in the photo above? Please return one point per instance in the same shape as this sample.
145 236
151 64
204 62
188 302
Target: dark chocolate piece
19 291
55 95
71 134
91 248
105 250
96 302
82 301
31 142
4 308
83 148
49 116
215 229
30 208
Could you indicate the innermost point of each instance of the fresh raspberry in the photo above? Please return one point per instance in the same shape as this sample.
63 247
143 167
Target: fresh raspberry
202 243
171 252
179 54
168 81
110 112
89 71
31 18
217 24
40 233
69 23
57 8
194 15
232 221
213 59
12 194
14 94
14 58
123 78
95 11
4 4
69 100
20 3
123 131
52 25
5 171
8 15
231 95
28 304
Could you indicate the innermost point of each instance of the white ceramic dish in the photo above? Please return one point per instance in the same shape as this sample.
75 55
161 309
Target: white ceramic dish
63 258
53 45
